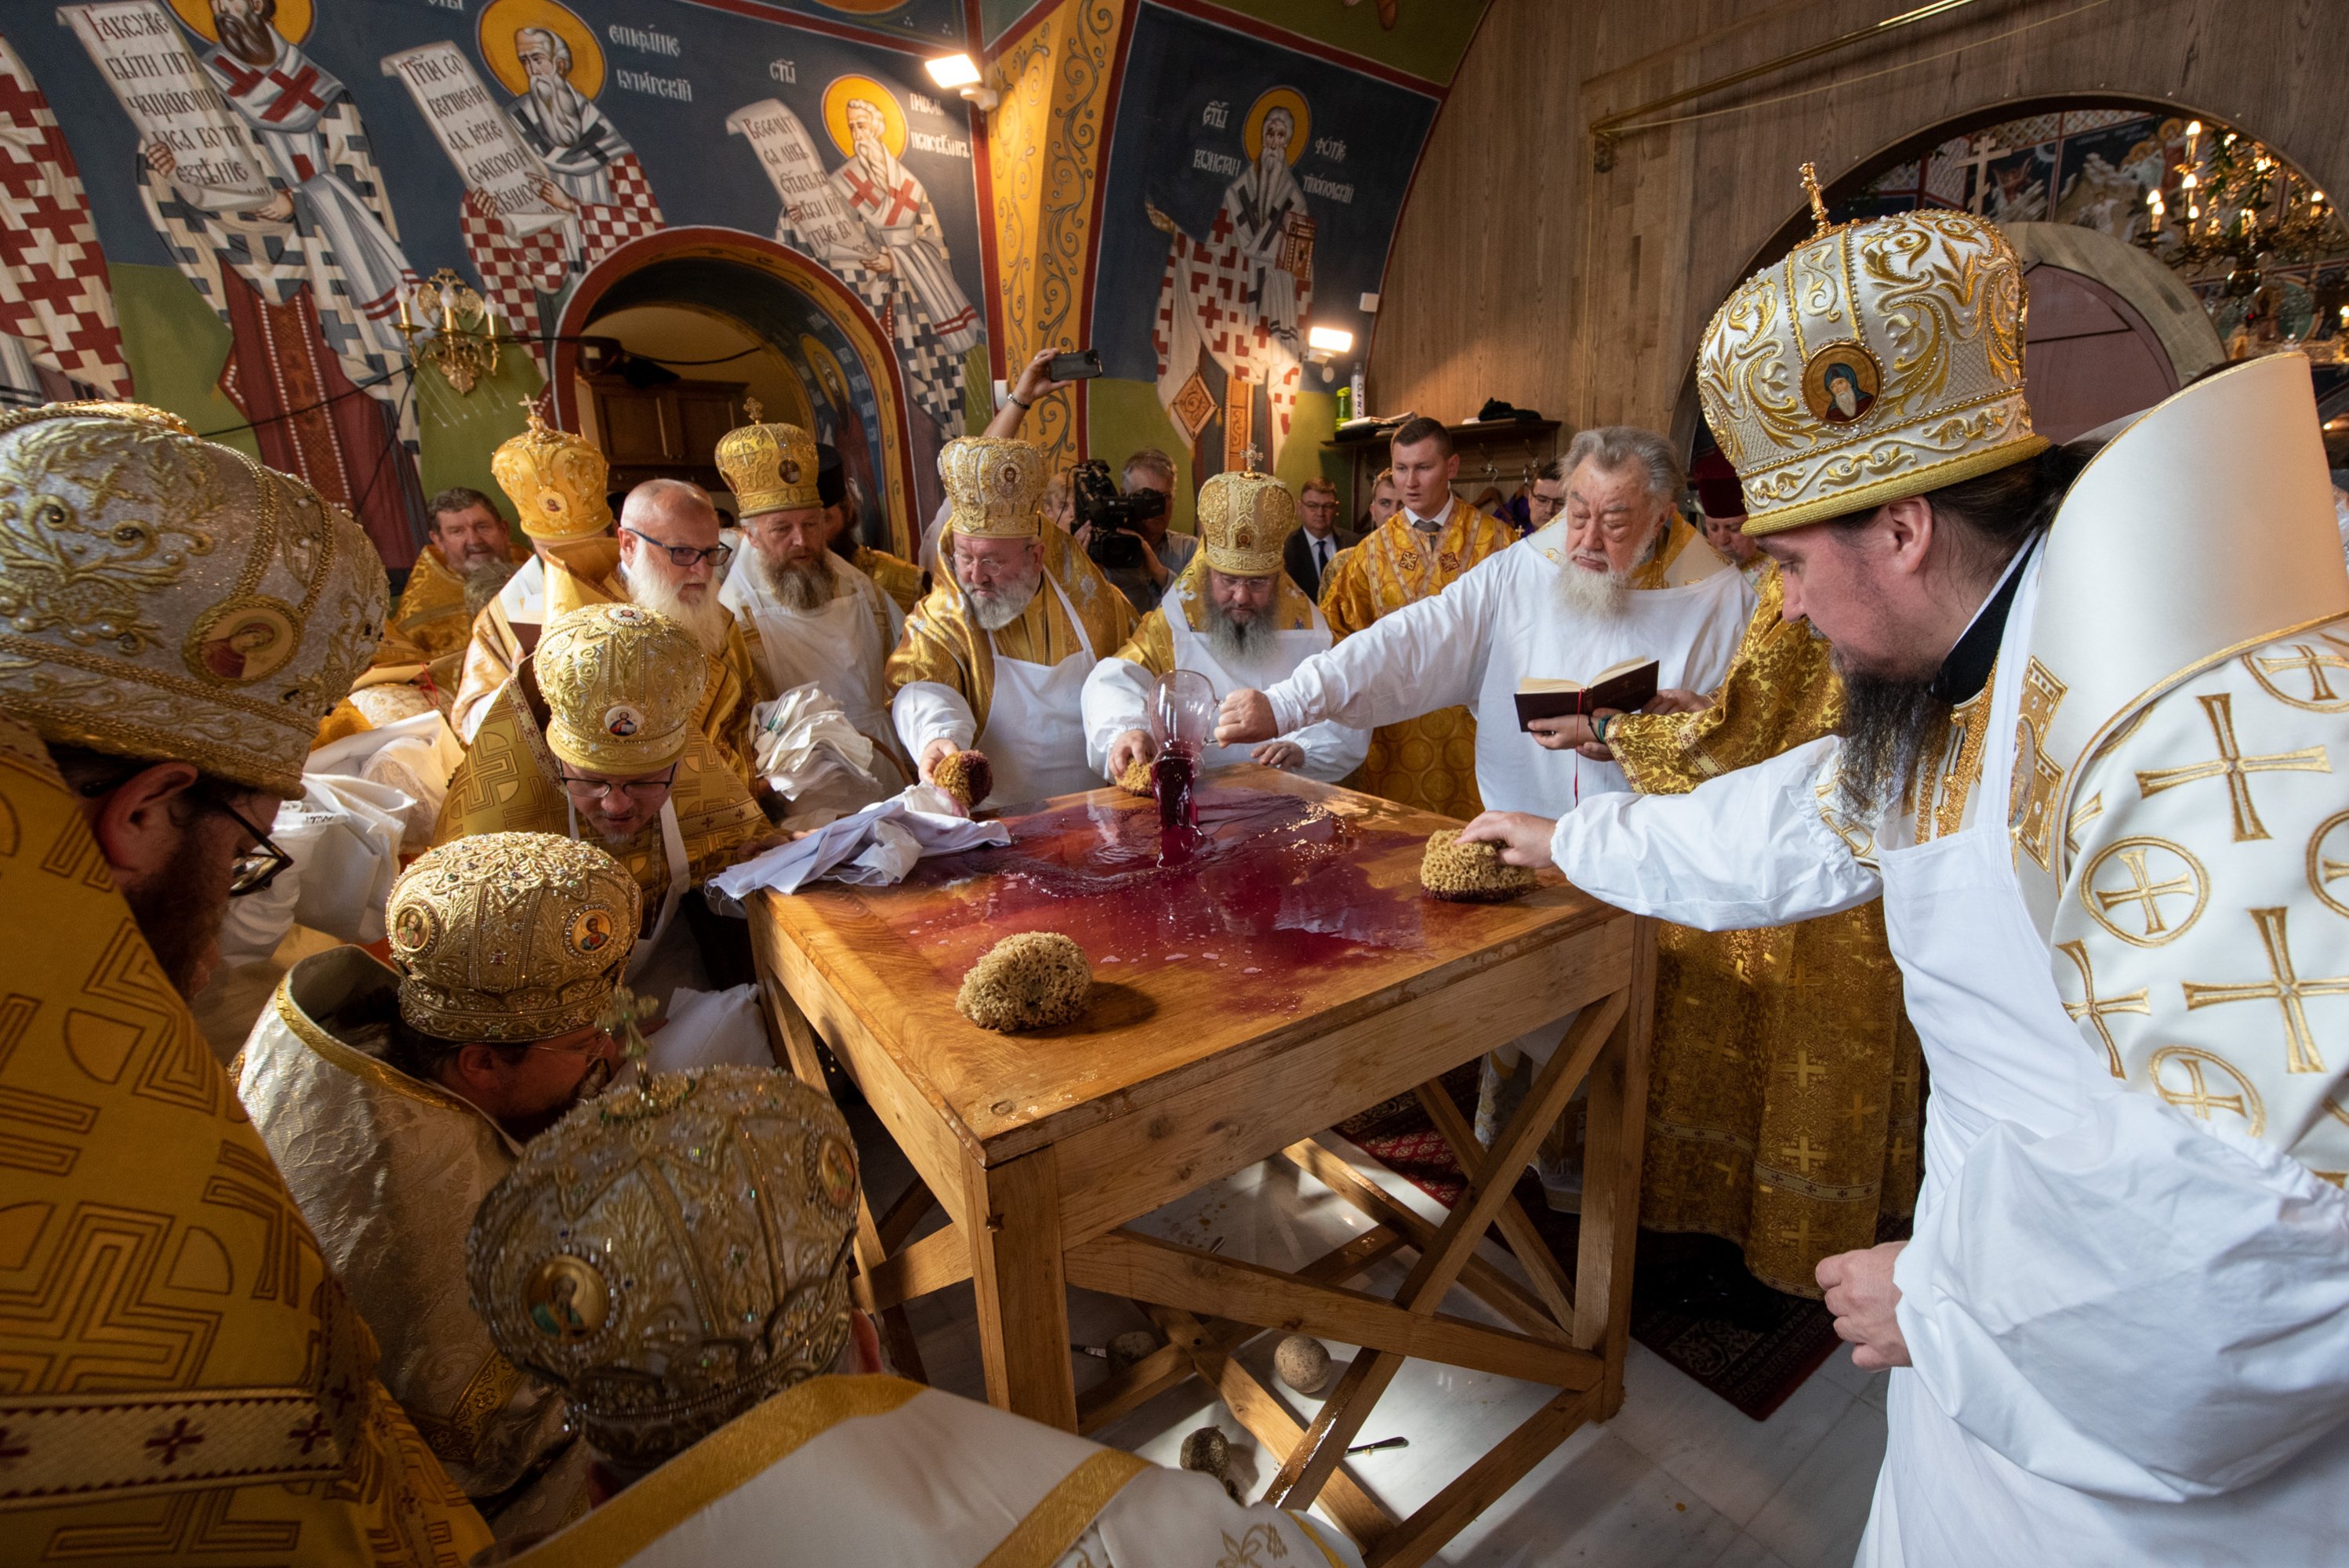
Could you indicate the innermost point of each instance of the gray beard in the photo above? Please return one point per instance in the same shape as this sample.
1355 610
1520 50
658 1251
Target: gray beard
558 106
805 588
1238 645
999 607
483 581
1593 596
709 621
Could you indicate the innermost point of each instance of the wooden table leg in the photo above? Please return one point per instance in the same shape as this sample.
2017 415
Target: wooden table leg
1023 1298
1610 1200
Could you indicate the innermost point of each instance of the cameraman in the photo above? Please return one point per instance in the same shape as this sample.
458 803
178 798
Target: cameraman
1164 554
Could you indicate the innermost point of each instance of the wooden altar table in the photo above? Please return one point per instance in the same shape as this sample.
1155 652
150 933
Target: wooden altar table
1290 976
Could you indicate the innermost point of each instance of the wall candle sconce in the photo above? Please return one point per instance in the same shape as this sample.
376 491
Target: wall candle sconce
463 344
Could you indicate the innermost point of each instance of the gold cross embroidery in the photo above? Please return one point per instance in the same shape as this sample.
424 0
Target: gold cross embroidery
2195 1098
1803 1070
2094 1010
2146 893
1799 1233
2236 768
1859 1113
2285 988
1897 1150
1728 1173
1803 1153
2313 663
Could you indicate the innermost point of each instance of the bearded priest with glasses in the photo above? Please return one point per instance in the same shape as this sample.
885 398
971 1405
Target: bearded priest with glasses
394 1097
594 738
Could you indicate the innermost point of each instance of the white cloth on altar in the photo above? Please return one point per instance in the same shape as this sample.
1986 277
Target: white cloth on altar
876 847
708 1029
1499 622
2130 1328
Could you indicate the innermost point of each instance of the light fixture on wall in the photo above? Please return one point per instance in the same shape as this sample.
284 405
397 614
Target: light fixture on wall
449 326
1323 344
960 74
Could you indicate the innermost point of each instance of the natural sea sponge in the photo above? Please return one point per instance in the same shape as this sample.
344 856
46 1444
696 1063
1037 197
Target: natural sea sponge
1031 981
1135 780
1470 873
968 775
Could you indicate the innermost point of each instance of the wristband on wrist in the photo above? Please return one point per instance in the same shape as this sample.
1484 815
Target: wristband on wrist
1599 730
1023 402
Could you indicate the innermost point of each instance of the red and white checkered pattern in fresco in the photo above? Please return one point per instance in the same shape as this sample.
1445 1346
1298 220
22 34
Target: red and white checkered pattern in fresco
515 270
1212 277
53 287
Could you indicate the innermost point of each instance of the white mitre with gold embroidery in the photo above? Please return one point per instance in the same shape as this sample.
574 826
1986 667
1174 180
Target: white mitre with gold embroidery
2181 784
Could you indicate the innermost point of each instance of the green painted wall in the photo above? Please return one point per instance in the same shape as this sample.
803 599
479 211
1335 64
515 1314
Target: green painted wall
1122 416
175 347
457 434
1428 39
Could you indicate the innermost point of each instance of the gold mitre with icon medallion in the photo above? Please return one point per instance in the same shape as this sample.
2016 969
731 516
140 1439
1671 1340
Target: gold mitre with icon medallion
659 1333
511 938
161 596
1245 521
994 487
1880 359
556 481
621 684
770 467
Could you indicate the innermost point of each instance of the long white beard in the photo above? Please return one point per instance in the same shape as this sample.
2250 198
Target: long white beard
1239 646
709 621
997 608
559 106
803 586
1593 596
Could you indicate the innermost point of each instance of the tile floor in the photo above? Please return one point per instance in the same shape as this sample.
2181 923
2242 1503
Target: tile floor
1679 1479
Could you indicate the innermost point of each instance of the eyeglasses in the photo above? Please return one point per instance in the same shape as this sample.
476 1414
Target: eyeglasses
590 790
685 555
257 866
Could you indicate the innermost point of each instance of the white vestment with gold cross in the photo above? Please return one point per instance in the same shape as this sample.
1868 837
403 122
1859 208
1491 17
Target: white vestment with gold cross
2121 908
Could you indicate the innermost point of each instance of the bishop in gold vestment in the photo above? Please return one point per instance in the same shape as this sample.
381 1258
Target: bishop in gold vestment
1428 762
186 1380
1785 1096
893 574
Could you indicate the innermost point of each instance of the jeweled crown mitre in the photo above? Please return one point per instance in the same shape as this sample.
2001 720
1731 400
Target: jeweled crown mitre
1244 520
769 466
165 597
996 487
556 481
510 937
669 1256
1880 359
621 684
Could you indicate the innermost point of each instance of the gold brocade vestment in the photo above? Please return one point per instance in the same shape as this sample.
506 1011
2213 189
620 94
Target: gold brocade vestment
893 574
1153 645
388 1171
1428 762
944 645
1785 1096
428 622
176 1360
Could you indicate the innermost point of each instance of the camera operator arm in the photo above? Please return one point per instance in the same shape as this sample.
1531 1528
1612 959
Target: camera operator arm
1033 383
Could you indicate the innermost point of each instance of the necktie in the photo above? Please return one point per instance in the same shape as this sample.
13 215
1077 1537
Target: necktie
1321 555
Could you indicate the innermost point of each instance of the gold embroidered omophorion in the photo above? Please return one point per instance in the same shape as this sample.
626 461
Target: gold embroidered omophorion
1428 762
1784 1096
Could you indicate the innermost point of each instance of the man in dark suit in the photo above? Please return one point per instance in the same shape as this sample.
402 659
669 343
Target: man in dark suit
1317 539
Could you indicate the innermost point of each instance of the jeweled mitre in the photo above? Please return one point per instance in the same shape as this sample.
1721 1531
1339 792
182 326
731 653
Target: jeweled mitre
1880 359
996 487
1244 520
162 596
670 1255
556 481
621 684
769 466
510 937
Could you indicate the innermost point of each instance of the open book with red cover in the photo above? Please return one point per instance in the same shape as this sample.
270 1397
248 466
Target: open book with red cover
1626 688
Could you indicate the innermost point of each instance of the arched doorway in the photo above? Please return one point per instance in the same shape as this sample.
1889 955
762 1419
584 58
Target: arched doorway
843 374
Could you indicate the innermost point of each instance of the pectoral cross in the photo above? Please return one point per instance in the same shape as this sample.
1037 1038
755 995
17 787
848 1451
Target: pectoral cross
2285 988
2236 768
2095 1009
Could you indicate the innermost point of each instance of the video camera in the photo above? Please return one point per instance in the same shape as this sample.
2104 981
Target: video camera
1115 519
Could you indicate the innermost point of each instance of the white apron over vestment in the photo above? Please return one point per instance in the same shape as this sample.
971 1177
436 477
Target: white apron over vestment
841 647
881 1471
1035 736
2126 1298
1118 696
1499 622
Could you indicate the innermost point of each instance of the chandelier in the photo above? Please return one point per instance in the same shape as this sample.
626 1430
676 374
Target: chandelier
2235 205
449 326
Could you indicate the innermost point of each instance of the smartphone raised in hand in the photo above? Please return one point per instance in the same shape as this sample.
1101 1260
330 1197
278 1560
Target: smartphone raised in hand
1081 364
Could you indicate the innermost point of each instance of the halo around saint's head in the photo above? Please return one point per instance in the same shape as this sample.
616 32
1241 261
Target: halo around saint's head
292 22
845 90
825 365
502 19
1301 124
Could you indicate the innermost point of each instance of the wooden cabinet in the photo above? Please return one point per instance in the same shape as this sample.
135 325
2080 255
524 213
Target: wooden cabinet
668 431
